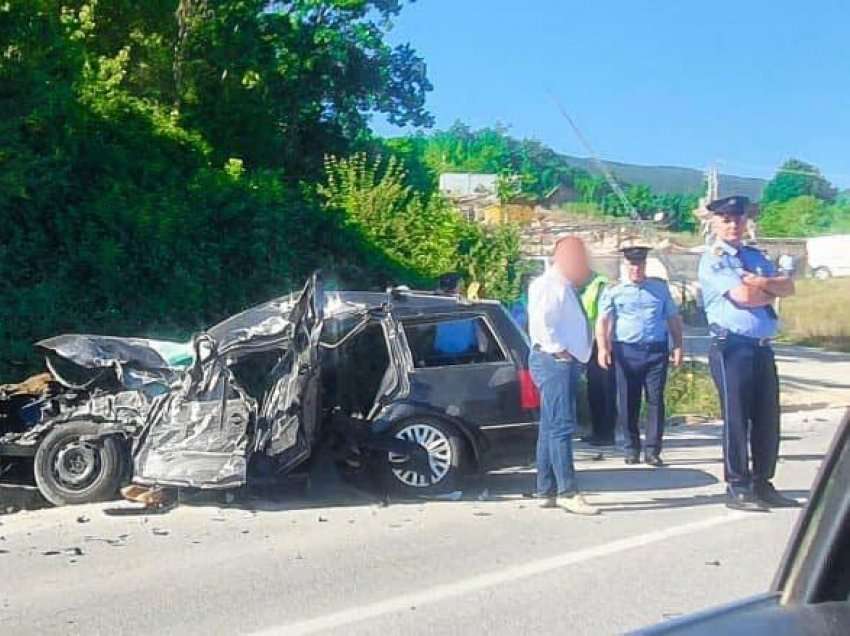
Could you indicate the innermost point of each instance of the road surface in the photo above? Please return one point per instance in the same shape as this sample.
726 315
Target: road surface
491 563
810 378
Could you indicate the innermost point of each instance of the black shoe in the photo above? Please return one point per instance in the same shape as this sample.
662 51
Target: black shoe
632 458
767 494
549 501
743 500
653 460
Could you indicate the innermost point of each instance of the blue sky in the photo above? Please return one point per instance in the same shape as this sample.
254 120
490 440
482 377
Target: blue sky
744 84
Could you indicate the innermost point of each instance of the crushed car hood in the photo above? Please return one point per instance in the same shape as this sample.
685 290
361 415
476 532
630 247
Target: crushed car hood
93 352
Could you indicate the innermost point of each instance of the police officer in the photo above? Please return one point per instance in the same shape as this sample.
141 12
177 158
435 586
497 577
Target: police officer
600 382
637 318
739 285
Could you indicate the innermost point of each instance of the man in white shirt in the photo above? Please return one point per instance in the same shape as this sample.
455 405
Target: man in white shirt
560 338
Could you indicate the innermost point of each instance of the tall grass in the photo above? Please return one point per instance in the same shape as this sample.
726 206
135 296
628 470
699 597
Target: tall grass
818 315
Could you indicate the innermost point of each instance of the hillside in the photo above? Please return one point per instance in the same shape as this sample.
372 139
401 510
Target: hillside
672 179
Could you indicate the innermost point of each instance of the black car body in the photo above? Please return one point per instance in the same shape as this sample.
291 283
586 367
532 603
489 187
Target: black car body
420 386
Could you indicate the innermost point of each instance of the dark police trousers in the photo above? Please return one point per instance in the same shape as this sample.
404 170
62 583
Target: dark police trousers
745 375
641 367
601 398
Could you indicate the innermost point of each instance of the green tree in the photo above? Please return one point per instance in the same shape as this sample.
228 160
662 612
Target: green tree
796 178
157 158
423 237
801 216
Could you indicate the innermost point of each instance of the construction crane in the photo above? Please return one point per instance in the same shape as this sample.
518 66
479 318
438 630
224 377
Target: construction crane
612 182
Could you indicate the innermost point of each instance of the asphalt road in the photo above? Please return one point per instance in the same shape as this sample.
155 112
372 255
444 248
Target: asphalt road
491 563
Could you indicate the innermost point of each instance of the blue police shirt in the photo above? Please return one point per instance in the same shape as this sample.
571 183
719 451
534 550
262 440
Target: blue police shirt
640 310
720 271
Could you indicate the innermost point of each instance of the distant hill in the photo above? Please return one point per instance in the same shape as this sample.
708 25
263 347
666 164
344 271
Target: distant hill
672 179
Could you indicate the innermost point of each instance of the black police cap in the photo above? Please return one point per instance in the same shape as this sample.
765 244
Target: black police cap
635 253
736 206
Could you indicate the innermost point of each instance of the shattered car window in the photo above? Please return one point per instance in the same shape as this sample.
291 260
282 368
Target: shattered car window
451 342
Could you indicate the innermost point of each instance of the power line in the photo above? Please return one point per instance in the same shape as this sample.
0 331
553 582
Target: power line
599 165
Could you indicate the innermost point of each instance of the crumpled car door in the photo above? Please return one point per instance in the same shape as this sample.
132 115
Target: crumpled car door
197 435
289 417
203 432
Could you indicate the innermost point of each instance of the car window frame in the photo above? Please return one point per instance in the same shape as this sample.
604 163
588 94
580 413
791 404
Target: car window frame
449 316
807 562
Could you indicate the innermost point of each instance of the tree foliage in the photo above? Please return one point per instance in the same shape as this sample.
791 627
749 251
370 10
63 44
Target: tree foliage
799 201
797 178
804 216
528 169
421 234
158 159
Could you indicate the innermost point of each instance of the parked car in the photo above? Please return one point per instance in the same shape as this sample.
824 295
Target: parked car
829 256
420 387
810 594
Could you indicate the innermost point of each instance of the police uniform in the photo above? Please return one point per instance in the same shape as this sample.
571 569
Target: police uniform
640 350
743 367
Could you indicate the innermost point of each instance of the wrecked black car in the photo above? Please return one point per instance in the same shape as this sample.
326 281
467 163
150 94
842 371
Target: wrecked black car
417 388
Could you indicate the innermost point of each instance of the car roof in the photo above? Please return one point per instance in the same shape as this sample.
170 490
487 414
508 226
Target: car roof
409 302
341 303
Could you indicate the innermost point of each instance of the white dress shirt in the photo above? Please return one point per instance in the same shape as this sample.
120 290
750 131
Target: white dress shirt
556 321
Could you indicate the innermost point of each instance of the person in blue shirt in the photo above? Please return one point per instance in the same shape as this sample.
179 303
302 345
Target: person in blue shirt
637 319
454 337
519 308
739 286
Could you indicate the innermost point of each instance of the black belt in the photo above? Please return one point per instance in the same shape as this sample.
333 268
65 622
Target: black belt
536 348
724 336
652 347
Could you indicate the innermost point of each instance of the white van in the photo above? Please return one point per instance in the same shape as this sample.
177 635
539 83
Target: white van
829 255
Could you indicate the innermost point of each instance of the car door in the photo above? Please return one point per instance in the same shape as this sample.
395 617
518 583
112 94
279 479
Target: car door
200 434
811 592
479 387
290 413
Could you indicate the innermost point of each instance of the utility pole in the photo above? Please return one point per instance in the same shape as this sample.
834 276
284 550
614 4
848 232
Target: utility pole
712 192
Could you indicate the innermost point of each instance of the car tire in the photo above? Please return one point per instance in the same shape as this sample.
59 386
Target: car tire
822 273
446 449
69 471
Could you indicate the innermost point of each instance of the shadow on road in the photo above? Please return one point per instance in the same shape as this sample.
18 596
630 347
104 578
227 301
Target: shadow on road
326 487
684 502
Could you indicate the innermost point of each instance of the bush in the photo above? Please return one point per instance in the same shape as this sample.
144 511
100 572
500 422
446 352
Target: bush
421 234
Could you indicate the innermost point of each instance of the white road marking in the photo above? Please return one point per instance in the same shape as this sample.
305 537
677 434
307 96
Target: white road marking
479 582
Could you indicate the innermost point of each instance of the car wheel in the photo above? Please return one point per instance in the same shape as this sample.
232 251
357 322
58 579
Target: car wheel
69 470
445 457
822 273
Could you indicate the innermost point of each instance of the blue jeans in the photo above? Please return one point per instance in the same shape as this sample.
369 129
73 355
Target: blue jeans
554 380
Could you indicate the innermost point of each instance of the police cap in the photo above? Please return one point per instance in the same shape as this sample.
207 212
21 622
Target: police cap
635 253
736 205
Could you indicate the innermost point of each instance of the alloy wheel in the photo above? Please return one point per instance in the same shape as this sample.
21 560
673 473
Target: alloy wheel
436 443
